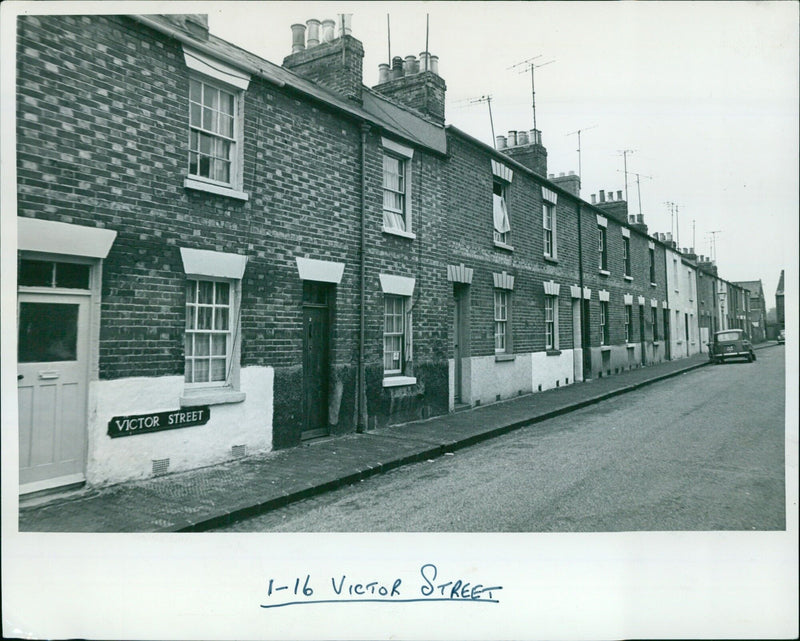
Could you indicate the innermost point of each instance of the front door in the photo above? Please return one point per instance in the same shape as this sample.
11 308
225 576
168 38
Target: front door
460 293
641 335
587 341
316 340
667 337
52 375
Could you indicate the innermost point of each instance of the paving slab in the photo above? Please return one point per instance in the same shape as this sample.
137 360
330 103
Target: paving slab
217 495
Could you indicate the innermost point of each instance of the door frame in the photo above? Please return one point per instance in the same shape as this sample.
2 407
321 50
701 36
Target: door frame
329 288
92 351
460 339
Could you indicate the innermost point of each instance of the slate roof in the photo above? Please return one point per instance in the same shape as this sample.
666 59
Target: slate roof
376 110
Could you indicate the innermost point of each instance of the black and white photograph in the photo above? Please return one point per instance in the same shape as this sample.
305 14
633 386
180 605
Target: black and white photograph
400 320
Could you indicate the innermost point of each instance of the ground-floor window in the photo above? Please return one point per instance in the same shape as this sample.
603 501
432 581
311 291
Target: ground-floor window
551 322
393 333
604 338
500 321
208 331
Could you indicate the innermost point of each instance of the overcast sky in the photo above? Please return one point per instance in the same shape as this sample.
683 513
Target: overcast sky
704 94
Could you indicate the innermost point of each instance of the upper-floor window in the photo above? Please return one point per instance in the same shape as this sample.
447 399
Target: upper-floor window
212 138
216 116
691 285
502 225
675 272
652 265
397 177
626 255
394 192
602 249
548 225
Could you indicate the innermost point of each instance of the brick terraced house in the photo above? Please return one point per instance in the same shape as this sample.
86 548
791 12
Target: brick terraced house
220 256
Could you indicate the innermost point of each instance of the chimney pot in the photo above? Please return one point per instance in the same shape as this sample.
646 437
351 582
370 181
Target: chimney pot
298 37
345 24
424 61
501 142
594 199
397 67
383 73
561 175
522 137
313 32
435 64
512 138
408 65
327 30
535 136
619 195
602 195
551 176
572 173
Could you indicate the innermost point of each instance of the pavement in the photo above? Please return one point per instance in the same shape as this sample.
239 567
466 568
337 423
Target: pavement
210 497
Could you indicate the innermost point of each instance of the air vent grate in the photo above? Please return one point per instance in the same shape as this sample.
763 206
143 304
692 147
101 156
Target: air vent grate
239 450
160 466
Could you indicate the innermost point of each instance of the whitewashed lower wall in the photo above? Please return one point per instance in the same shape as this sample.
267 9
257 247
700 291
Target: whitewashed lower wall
489 378
127 458
547 369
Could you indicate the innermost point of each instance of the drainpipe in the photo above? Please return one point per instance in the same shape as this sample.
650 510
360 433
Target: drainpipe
361 424
580 284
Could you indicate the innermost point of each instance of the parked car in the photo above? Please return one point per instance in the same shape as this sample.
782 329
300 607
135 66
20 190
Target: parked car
731 343
781 337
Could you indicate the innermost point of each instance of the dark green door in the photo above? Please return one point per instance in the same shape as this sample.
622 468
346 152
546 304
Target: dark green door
316 340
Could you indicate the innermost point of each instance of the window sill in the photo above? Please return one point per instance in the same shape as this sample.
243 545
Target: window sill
199 185
628 278
504 358
553 352
605 348
398 381
630 345
500 245
656 343
399 232
652 284
550 259
211 396
604 272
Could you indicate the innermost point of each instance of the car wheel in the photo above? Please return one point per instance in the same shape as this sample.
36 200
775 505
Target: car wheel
753 355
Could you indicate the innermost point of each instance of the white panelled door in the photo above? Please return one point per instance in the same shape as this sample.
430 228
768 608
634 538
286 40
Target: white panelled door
52 384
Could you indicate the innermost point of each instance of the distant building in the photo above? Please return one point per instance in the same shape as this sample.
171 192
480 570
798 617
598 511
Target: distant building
779 304
757 314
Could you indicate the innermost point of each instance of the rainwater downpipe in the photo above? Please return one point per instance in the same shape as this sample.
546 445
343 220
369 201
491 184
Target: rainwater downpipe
362 392
580 284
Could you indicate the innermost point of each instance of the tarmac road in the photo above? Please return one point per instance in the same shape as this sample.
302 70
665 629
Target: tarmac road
702 451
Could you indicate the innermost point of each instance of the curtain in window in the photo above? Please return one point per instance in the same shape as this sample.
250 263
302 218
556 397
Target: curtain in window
501 224
393 193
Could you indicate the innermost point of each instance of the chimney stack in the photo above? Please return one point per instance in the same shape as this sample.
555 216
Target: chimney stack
415 83
570 182
525 146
